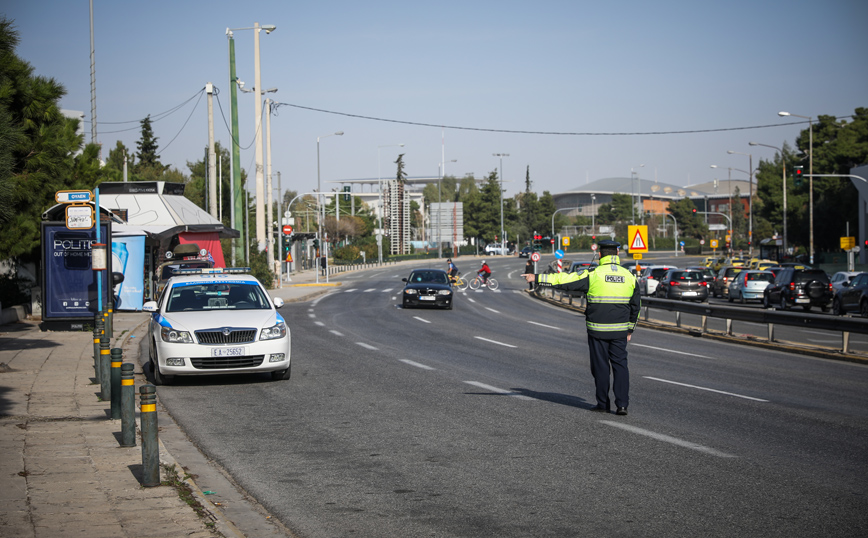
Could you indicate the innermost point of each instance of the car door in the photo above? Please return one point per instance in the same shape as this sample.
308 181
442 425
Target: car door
852 293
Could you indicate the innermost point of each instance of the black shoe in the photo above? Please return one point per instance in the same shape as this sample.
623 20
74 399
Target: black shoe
621 411
600 409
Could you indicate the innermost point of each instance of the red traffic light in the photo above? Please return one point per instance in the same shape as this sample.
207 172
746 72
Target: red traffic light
694 210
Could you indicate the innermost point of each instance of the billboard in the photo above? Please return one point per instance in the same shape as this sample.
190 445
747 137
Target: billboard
69 283
128 257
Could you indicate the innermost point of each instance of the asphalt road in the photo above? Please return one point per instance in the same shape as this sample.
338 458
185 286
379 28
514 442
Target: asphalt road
475 422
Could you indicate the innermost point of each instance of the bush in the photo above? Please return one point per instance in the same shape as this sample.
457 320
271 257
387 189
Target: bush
259 268
14 291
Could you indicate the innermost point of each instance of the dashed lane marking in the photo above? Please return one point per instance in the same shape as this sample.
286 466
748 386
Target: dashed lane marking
494 341
499 390
668 439
544 325
705 388
367 346
416 364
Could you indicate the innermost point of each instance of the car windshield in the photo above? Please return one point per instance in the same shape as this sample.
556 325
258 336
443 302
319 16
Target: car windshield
732 271
213 296
686 275
657 273
762 277
428 277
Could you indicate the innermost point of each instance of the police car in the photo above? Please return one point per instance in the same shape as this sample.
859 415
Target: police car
216 321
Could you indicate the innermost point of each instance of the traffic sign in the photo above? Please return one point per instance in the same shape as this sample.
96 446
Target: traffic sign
638 237
73 197
287 230
79 217
713 243
534 257
559 254
594 246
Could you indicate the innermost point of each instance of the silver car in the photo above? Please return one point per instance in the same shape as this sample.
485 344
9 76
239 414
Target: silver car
749 285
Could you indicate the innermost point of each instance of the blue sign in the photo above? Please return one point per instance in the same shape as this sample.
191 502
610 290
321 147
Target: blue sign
682 243
559 254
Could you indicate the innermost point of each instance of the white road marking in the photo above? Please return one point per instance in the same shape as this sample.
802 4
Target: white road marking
321 324
471 300
367 346
349 290
311 316
416 364
420 319
493 310
544 325
494 341
336 333
387 290
705 388
668 439
369 290
499 391
670 351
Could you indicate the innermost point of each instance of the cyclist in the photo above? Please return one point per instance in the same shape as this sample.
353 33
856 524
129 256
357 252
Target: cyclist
484 272
452 269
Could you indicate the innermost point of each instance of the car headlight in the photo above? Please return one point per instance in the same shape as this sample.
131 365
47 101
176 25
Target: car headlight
175 336
444 292
411 291
270 333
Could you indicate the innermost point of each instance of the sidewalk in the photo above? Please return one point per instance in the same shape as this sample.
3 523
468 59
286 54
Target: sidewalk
63 472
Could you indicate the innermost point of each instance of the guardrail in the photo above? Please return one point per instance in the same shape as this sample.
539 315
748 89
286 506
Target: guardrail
844 325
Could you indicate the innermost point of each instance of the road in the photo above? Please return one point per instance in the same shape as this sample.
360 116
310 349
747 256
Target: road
475 422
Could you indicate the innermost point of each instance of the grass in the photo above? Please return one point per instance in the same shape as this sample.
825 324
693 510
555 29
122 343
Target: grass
186 493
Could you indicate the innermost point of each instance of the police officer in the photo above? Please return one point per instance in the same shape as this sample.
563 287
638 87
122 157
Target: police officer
613 310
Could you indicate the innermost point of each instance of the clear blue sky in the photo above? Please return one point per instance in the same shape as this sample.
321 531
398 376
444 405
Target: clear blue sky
552 66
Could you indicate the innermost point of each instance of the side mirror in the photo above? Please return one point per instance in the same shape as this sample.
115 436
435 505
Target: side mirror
278 302
117 278
150 306
845 284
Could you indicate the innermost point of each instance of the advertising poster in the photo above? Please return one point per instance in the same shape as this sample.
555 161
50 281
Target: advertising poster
69 282
128 257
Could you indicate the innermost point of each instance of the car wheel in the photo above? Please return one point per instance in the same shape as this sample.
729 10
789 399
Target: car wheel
159 378
766 301
404 304
729 297
784 305
836 308
281 375
863 308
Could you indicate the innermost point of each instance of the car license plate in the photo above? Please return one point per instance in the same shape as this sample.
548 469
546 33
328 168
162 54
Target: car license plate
689 293
803 300
426 298
227 352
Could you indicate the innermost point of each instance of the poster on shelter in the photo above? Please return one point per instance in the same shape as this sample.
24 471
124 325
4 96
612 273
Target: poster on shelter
128 257
70 287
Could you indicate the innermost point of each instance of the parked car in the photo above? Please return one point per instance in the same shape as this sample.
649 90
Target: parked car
852 296
802 287
650 278
749 285
683 284
842 278
707 273
216 321
720 286
427 287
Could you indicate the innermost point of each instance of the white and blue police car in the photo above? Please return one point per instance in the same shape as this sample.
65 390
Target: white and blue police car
212 321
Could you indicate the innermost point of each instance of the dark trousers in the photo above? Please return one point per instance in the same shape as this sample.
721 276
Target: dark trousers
612 354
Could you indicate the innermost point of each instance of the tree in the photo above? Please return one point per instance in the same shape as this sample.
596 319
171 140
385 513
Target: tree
482 212
147 146
690 224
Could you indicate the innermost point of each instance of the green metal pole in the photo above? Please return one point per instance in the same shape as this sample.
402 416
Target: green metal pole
237 192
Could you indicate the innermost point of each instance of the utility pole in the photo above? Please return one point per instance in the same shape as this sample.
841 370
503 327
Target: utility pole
269 215
212 157
237 206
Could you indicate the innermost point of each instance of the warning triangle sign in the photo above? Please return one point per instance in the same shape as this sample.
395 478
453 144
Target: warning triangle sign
638 243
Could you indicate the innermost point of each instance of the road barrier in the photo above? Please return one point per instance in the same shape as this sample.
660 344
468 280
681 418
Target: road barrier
97 334
116 361
771 318
105 369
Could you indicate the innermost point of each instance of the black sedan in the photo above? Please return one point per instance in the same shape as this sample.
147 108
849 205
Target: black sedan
427 287
852 297
684 285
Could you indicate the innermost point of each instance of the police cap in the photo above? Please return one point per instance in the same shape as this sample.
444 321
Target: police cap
608 243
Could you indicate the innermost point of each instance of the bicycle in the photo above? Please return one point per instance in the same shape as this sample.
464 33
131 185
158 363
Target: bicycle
459 283
477 282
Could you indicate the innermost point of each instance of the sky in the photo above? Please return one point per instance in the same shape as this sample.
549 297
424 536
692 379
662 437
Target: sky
574 91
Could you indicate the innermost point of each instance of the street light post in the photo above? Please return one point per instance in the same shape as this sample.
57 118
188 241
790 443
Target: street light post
633 199
441 166
810 179
783 182
593 213
502 238
750 201
382 233
321 212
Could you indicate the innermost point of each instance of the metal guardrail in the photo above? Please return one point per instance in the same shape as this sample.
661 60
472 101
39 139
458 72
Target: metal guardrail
844 325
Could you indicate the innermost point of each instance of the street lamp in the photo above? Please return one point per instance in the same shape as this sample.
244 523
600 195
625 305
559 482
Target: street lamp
319 200
810 178
784 183
382 202
632 198
502 238
440 169
593 213
749 202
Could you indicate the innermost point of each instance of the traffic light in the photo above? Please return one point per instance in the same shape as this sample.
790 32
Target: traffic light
316 243
346 195
694 210
797 175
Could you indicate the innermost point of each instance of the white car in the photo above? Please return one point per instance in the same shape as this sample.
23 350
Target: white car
216 321
496 249
650 277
